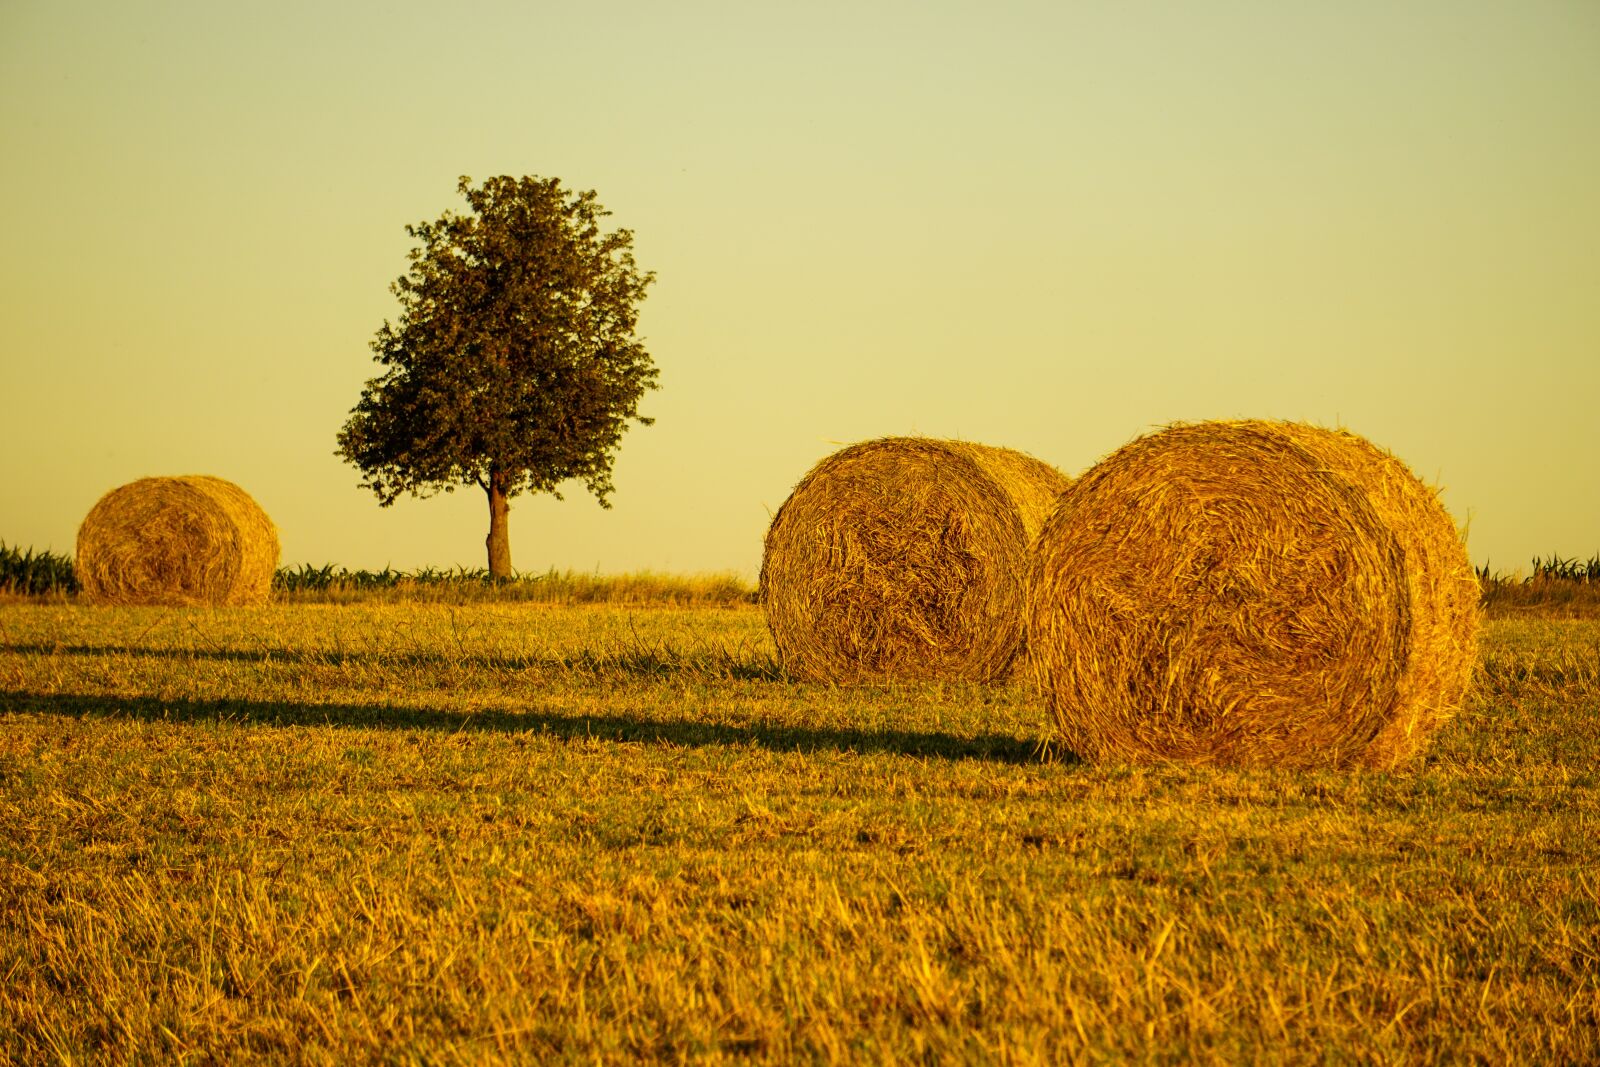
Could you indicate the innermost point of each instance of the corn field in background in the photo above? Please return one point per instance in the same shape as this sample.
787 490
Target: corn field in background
1554 580
1567 570
25 572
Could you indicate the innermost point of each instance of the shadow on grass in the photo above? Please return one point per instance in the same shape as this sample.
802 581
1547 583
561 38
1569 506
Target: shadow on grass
996 748
640 660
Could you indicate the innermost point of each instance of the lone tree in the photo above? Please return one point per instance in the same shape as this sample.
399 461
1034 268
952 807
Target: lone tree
514 365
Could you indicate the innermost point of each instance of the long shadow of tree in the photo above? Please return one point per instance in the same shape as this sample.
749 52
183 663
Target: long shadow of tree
997 748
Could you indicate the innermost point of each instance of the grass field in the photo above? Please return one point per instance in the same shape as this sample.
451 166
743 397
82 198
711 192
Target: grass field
485 832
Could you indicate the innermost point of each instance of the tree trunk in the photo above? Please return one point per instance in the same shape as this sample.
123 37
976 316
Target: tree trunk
499 539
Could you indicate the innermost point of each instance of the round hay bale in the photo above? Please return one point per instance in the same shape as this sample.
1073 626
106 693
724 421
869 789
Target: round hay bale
189 540
905 558
1252 594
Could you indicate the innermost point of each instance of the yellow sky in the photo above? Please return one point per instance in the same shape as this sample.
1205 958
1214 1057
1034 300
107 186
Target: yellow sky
1049 226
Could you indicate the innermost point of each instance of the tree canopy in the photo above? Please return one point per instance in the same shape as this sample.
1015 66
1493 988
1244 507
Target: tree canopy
514 364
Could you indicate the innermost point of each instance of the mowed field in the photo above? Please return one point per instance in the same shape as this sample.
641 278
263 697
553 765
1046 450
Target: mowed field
511 832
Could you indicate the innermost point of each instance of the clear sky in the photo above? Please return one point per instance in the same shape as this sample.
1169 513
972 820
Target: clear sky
1051 226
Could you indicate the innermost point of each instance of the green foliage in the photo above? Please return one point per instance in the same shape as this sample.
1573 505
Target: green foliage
30 573
46 574
1555 568
461 585
1556 587
514 362
306 578
1566 570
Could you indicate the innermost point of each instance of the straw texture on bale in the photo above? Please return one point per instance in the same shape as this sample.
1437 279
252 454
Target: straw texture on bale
1252 594
189 540
905 558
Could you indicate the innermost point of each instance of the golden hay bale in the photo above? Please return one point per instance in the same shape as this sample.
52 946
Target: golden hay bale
189 540
1251 593
905 558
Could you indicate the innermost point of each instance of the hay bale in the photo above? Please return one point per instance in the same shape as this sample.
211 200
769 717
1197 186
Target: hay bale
905 558
189 540
1251 593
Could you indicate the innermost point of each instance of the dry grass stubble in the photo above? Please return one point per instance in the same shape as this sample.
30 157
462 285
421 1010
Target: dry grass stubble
484 834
